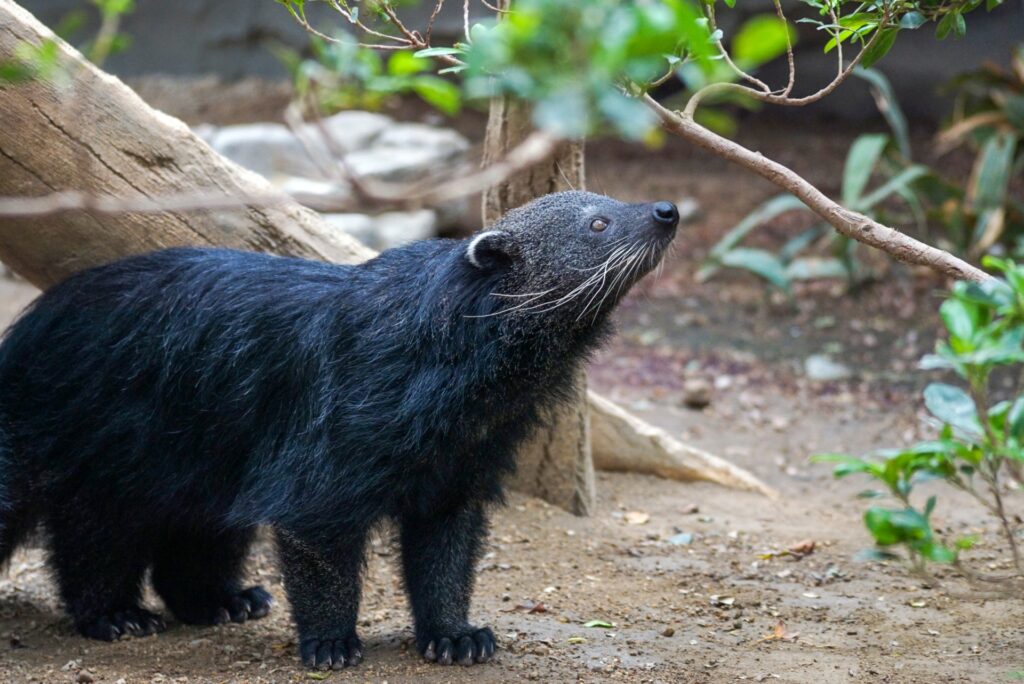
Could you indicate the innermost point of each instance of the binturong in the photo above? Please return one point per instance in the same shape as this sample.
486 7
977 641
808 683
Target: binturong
156 410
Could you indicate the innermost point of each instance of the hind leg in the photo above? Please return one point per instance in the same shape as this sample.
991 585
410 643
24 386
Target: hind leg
99 571
199 575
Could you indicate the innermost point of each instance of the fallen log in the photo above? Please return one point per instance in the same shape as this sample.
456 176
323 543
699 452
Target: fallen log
624 442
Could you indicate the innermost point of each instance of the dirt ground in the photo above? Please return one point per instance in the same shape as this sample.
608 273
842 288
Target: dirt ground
688 579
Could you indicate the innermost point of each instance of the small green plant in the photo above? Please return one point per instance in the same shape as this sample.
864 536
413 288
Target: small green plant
885 157
981 439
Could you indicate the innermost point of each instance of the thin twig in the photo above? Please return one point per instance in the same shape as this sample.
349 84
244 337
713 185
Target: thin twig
791 64
409 40
430 22
344 11
772 98
709 13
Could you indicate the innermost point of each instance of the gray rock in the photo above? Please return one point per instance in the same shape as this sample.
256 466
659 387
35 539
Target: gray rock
386 230
822 367
317 194
397 164
697 393
353 130
269 149
681 539
407 135
405 152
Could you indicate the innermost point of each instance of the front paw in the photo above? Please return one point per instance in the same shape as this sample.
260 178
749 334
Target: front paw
465 647
331 653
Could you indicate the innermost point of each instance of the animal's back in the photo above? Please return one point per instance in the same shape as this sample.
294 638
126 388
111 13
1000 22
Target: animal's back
161 378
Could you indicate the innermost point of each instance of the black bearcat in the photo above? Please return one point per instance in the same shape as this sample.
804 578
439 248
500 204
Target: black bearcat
156 410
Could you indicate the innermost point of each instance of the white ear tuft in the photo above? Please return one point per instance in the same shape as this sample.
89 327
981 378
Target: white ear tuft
474 243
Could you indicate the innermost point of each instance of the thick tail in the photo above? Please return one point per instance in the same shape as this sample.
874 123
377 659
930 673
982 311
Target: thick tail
15 517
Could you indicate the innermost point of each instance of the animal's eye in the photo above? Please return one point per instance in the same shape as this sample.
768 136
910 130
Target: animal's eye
598 225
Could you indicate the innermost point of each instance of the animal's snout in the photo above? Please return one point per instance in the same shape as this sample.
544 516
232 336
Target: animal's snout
666 214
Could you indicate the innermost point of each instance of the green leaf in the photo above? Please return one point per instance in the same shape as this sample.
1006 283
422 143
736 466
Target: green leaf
600 624
889 106
759 262
630 117
912 20
762 38
901 181
1015 419
814 268
880 47
564 114
437 52
966 543
960 318
937 553
860 163
992 172
895 526
953 22
765 212
952 405
404 63
438 92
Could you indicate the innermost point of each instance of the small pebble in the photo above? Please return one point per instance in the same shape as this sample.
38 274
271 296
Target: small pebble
696 393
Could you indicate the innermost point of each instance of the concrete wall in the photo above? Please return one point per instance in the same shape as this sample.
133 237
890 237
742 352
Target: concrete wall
229 38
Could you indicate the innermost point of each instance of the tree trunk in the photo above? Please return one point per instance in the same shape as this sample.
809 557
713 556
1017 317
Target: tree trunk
556 463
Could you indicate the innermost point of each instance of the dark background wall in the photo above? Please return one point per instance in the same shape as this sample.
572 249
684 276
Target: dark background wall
230 37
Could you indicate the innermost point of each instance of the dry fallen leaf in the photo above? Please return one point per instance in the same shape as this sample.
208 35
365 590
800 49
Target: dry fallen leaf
637 517
529 607
803 548
796 551
779 633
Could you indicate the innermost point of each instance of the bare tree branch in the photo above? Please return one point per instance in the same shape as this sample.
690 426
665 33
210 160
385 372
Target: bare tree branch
408 40
849 223
785 99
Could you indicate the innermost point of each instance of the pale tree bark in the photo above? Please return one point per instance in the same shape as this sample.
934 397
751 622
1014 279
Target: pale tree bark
556 464
97 138
96 135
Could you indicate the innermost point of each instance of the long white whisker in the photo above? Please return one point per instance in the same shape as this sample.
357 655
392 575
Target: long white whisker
619 278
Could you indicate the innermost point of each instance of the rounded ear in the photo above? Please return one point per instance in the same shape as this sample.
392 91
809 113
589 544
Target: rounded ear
489 250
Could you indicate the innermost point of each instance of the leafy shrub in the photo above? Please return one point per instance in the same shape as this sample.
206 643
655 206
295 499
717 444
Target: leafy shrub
981 439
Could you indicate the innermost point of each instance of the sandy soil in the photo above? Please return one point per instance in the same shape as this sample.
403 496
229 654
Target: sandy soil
716 604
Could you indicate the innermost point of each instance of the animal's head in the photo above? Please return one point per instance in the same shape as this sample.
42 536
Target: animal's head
571 255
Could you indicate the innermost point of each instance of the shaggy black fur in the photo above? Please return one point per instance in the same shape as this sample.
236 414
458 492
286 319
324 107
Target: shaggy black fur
156 410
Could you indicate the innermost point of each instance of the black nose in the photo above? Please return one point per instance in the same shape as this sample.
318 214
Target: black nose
666 213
